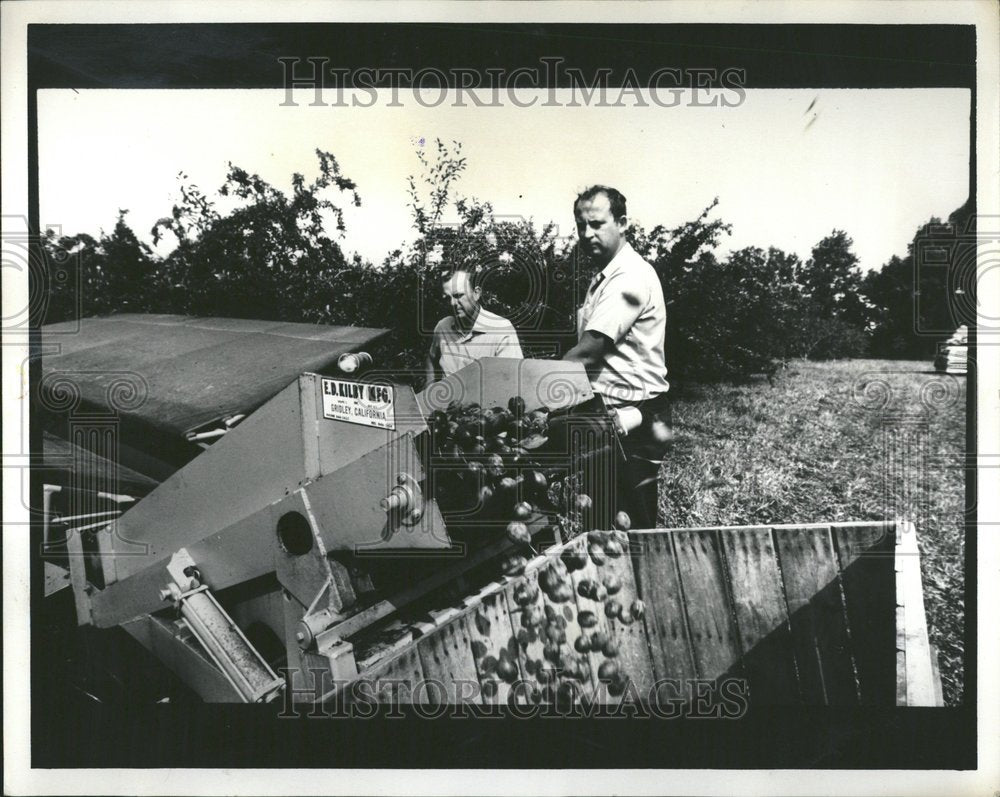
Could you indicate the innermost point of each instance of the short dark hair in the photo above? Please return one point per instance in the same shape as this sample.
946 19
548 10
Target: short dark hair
615 197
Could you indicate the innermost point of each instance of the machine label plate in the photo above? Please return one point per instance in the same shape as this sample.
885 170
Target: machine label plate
357 402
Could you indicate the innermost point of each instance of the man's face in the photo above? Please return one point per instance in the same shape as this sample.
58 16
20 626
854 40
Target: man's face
601 234
463 297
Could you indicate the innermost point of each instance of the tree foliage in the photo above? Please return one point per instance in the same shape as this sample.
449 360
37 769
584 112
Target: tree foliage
268 255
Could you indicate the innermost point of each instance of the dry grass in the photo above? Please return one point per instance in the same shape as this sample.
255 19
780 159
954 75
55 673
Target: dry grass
837 441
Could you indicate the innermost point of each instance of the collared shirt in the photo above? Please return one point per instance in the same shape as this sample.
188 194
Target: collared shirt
452 347
625 303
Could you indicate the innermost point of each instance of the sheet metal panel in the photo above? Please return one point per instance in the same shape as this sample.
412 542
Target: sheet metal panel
196 370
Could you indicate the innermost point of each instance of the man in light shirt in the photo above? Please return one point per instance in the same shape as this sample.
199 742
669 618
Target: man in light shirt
470 332
621 329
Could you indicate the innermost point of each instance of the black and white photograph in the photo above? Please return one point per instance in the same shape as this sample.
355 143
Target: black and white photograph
447 398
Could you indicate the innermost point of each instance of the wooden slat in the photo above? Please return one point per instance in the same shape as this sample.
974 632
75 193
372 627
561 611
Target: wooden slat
568 613
492 640
920 678
399 679
865 553
591 572
816 612
633 645
710 621
665 626
761 616
446 658
532 650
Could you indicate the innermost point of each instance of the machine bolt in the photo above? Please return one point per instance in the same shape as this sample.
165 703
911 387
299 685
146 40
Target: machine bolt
165 595
401 479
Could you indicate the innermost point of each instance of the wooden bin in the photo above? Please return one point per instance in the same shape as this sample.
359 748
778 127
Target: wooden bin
809 615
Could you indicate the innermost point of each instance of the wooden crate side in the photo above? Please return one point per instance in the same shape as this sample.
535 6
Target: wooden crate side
398 679
922 683
630 632
706 604
865 553
565 618
816 614
665 624
530 646
448 664
493 642
627 635
761 616
593 573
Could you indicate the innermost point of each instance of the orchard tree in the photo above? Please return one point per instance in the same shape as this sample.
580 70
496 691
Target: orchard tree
115 272
831 279
270 257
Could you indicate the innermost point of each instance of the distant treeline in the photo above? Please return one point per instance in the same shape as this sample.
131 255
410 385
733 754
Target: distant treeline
729 317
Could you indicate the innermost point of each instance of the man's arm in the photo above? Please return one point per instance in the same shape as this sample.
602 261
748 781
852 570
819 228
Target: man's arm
591 351
431 362
430 372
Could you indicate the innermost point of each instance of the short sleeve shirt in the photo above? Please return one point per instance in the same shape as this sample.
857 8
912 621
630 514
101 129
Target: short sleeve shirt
452 347
625 303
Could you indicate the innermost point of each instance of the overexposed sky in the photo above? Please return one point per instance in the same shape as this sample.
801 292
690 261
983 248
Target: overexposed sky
876 163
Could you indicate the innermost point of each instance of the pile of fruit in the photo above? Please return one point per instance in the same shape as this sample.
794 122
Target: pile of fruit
491 451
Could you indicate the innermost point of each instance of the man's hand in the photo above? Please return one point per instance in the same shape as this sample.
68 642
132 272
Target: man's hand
591 351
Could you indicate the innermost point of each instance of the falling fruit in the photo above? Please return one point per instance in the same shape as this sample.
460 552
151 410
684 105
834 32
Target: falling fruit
561 593
622 521
597 554
613 548
583 502
574 558
507 670
525 594
514 565
522 511
612 583
518 533
582 644
535 481
531 616
616 688
638 609
587 619
610 649
598 640
613 609
566 694
607 671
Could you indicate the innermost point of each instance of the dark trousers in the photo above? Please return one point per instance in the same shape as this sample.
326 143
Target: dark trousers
638 485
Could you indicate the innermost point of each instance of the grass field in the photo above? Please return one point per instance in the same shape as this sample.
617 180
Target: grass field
837 441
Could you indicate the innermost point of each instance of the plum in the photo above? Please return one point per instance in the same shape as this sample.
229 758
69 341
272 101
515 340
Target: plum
622 521
587 619
518 533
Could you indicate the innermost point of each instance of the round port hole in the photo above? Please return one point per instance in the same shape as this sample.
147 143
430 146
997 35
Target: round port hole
294 533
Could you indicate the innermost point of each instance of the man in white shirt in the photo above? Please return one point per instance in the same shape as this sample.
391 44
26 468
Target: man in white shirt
470 332
621 330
